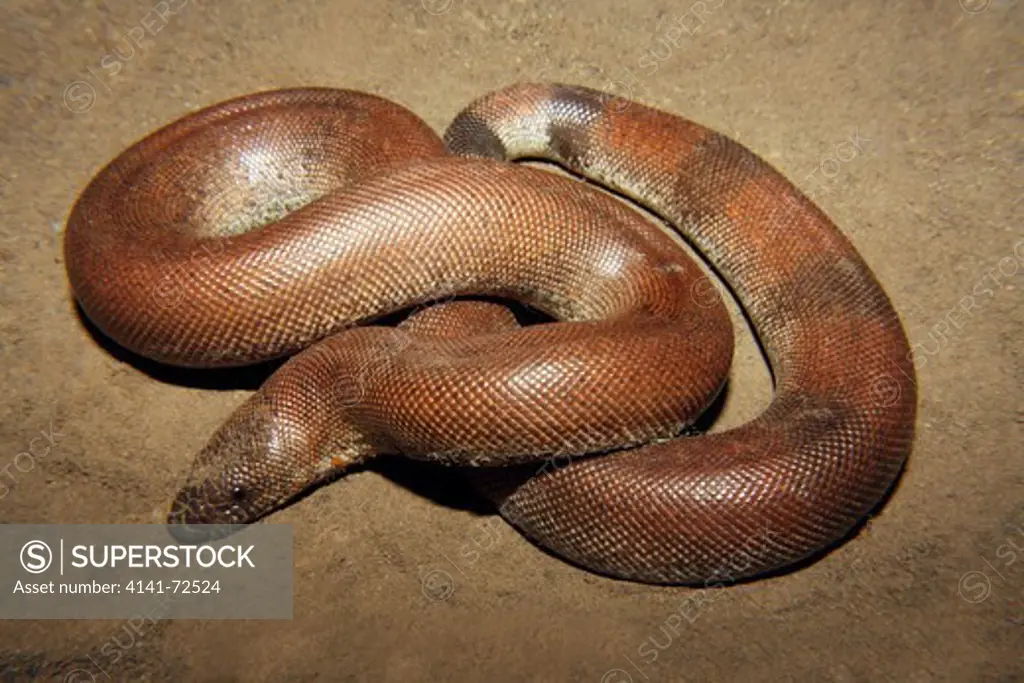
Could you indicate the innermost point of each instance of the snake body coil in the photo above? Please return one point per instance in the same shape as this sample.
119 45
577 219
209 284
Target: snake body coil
275 222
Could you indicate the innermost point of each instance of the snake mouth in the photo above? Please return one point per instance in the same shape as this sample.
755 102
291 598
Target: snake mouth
202 513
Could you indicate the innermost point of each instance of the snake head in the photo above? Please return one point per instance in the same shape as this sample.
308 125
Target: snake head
240 475
259 460
292 434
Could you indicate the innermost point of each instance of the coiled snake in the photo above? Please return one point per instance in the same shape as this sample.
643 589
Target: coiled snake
271 224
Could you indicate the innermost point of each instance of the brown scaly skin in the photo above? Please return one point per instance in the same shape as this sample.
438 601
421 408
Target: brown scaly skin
644 345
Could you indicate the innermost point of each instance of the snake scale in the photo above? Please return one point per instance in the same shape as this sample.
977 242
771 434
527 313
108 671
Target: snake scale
281 223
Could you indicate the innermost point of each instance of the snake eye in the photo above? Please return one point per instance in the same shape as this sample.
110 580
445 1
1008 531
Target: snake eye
238 494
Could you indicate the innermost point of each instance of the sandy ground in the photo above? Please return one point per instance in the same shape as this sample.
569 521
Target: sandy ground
398 574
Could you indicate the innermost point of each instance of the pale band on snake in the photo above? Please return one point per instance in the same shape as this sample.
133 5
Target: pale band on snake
285 223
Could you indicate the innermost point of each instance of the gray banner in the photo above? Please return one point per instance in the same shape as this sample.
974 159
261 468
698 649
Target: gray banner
141 571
